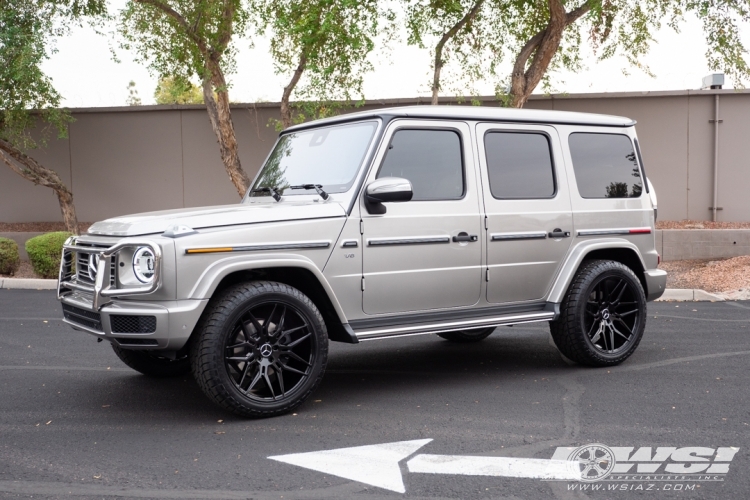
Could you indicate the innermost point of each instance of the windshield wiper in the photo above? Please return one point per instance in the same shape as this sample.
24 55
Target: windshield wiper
272 190
317 187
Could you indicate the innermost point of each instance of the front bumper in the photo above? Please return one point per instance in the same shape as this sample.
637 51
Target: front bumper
162 325
656 283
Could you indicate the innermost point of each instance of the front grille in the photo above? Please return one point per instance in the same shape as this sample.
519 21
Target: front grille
133 324
137 342
82 317
84 274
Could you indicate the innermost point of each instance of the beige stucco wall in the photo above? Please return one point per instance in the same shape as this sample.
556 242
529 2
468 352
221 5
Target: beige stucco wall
126 160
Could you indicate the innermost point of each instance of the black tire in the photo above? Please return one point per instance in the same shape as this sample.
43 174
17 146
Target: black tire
467 336
603 315
256 340
151 364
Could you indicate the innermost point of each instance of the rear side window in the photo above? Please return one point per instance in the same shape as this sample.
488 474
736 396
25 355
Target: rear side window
519 165
430 159
605 165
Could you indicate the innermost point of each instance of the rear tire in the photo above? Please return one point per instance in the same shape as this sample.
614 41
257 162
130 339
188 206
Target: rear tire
151 364
261 349
467 336
603 315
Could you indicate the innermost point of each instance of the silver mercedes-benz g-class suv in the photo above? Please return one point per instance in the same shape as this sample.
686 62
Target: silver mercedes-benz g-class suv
391 222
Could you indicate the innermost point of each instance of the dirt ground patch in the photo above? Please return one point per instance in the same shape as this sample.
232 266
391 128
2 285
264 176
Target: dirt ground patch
700 224
727 275
24 271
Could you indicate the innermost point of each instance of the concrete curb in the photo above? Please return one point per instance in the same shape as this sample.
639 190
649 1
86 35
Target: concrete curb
688 295
28 284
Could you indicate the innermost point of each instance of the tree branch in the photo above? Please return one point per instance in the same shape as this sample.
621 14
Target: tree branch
189 30
471 14
286 112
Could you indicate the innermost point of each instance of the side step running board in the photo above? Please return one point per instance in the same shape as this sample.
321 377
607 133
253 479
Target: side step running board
447 326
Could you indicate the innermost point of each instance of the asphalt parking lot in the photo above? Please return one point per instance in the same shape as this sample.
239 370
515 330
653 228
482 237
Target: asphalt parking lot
76 423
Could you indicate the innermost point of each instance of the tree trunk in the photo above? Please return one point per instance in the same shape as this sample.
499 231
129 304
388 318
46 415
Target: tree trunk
221 121
286 111
543 46
31 170
471 14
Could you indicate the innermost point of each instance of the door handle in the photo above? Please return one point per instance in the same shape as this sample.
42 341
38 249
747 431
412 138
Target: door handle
462 237
559 233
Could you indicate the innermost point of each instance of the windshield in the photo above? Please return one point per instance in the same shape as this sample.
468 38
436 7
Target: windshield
329 156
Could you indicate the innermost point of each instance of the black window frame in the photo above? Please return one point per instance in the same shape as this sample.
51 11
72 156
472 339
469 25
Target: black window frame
555 191
429 128
638 164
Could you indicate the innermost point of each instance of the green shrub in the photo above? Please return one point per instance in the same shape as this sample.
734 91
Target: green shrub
9 258
45 252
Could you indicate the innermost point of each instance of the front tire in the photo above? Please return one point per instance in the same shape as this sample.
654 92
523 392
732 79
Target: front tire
467 336
603 315
152 365
261 349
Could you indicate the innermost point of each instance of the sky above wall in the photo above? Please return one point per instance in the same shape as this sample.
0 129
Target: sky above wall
85 73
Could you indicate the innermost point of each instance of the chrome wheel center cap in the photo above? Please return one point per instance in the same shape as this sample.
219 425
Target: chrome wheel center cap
266 350
605 315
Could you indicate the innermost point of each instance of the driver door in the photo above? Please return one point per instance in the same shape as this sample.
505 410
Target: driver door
411 258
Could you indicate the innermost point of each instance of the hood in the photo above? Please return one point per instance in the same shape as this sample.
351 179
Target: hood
221 215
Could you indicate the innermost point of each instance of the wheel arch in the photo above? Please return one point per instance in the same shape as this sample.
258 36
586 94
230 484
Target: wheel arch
618 250
300 274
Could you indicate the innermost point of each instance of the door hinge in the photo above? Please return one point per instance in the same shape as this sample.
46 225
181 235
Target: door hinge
487 275
361 226
363 283
486 225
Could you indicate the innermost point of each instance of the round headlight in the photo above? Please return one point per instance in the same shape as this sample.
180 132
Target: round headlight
143 264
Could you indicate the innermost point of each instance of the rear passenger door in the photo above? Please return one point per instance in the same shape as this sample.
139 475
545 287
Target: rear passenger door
528 211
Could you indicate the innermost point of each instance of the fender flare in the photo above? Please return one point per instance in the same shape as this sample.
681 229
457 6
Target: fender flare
211 277
576 256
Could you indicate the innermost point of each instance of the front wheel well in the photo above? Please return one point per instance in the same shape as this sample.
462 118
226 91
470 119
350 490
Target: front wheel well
624 256
304 281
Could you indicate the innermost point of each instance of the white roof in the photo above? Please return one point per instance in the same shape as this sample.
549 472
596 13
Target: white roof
482 113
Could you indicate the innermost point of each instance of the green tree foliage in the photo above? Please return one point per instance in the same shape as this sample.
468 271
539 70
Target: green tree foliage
324 45
28 100
543 36
133 98
185 39
460 31
172 90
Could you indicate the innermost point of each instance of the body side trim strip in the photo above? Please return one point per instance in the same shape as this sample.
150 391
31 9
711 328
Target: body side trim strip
534 235
602 232
260 248
408 241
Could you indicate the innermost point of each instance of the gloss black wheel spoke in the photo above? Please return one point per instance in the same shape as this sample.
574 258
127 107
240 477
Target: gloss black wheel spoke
296 342
268 382
280 377
622 315
619 295
292 330
244 374
256 325
625 325
297 357
267 323
241 344
290 369
280 326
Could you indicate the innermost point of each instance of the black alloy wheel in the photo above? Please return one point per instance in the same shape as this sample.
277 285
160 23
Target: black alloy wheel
603 315
260 350
270 352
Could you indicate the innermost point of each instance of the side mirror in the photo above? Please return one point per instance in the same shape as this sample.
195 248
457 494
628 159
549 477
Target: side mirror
386 190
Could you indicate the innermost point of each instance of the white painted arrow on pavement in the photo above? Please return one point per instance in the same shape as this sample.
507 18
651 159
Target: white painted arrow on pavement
377 464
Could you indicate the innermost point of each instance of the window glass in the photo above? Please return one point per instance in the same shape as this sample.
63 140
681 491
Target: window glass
430 159
605 166
519 165
330 156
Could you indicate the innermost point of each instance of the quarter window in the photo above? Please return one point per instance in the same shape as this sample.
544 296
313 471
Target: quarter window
430 159
519 165
605 166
